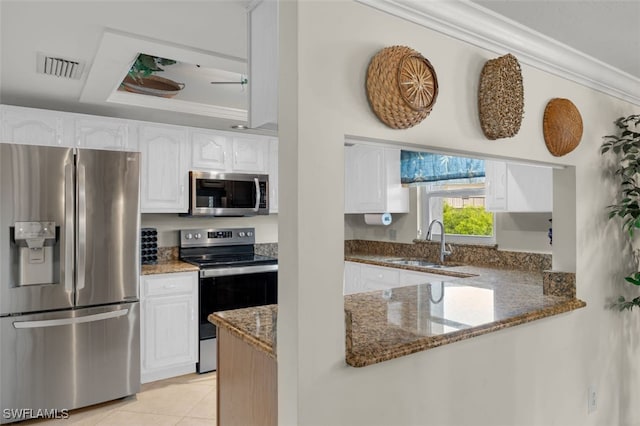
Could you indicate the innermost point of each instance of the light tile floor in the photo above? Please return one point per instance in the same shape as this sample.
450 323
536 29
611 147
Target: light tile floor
188 400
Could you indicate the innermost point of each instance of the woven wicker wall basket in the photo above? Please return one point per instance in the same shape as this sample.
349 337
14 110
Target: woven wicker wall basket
501 97
561 126
402 86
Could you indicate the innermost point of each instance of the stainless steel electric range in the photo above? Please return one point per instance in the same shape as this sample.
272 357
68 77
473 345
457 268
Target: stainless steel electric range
232 276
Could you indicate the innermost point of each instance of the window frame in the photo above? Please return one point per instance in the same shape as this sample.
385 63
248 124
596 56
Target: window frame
425 195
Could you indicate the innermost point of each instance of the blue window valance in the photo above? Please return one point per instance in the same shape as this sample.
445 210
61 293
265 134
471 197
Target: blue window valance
427 167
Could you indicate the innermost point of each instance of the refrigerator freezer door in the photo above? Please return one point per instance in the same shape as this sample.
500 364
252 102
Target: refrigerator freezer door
108 255
36 192
68 359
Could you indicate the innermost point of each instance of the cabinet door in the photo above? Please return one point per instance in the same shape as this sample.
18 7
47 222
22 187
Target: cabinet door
529 188
29 126
416 278
97 133
168 331
210 151
273 175
352 282
263 65
365 186
495 185
164 174
249 155
379 278
169 324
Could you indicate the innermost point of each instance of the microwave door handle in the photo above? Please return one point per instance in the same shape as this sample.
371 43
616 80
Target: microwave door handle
257 182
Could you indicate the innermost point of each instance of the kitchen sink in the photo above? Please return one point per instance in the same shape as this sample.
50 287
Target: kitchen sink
419 262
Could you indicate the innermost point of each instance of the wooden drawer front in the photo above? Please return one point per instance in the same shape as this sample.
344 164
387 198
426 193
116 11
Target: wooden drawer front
177 283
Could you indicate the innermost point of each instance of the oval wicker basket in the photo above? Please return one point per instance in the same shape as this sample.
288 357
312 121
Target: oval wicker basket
402 86
501 97
561 126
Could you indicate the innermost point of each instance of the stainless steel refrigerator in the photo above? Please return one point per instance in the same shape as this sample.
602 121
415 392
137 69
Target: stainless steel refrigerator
69 272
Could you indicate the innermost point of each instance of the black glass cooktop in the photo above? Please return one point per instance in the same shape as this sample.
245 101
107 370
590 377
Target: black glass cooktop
219 261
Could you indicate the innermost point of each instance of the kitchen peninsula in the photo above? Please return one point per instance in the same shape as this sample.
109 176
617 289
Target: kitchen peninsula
381 325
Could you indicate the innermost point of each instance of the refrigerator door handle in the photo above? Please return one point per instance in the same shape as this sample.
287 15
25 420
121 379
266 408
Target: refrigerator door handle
72 320
69 228
82 226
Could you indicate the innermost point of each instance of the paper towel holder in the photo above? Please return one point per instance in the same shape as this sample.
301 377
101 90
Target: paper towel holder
383 219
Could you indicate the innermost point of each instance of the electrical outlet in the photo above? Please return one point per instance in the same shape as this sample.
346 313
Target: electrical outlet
592 401
393 234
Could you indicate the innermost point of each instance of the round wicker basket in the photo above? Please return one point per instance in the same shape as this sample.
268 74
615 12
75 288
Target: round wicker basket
501 97
402 86
561 126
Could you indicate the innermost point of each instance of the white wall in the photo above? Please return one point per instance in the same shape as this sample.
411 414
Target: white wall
533 374
169 225
523 231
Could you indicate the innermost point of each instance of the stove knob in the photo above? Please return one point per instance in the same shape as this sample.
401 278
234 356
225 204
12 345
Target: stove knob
240 234
197 236
249 234
188 237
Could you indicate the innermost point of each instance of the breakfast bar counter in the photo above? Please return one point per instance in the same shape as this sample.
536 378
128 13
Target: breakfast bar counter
386 324
253 325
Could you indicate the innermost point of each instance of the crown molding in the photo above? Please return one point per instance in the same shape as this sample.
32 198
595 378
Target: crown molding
471 23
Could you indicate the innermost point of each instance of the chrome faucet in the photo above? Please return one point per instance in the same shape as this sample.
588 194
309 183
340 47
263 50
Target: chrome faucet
443 251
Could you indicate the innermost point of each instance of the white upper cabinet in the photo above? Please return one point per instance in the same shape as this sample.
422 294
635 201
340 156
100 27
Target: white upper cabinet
263 64
103 133
29 126
164 172
514 187
249 155
273 175
32 126
372 180
211 151
228 152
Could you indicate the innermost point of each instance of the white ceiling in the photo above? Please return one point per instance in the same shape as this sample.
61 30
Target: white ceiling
607 30
209 33
216 29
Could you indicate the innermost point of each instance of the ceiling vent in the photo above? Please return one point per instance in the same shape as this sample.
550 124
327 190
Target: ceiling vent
59 67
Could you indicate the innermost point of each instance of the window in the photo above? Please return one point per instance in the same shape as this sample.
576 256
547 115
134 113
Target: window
459 205
451 189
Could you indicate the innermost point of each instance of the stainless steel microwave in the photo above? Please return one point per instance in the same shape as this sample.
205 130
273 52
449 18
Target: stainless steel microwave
228 194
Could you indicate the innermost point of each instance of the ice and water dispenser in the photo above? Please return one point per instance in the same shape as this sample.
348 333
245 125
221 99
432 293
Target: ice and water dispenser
35 242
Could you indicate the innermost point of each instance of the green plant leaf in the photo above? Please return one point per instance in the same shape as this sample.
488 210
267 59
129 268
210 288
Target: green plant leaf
632 281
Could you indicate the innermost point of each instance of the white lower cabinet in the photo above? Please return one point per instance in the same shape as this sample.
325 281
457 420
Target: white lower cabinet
352 282
361 278
168 325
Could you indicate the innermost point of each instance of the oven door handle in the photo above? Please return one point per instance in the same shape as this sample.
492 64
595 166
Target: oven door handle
237 270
